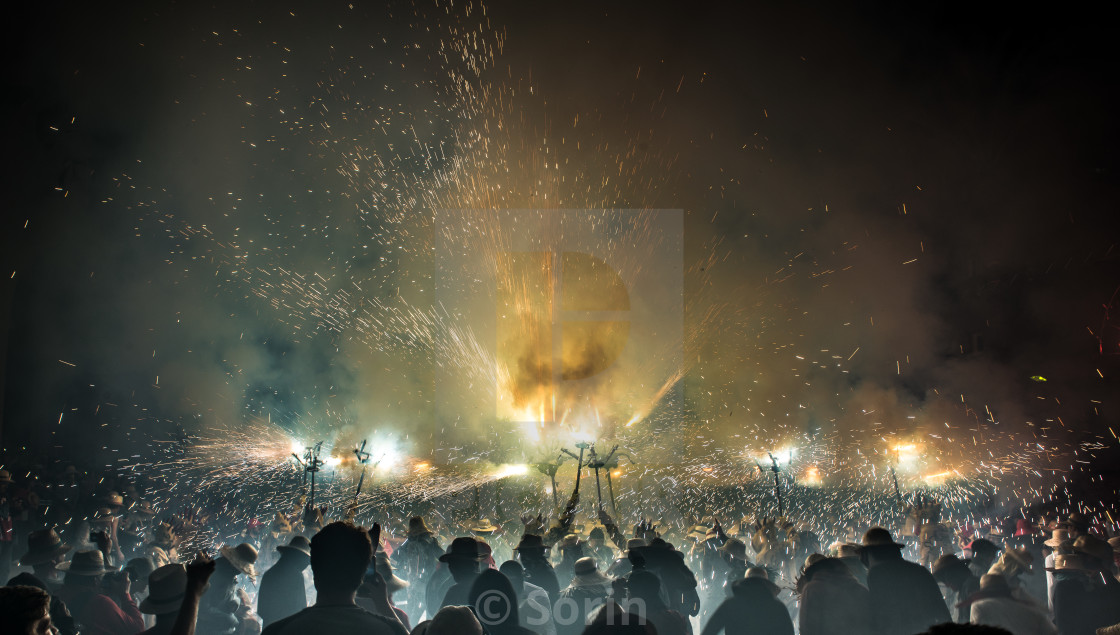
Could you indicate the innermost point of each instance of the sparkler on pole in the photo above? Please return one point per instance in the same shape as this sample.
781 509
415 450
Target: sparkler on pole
596 463
363 458
775 468
550 469
582 445
311 464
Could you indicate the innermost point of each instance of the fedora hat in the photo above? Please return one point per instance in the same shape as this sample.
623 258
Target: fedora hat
879 537
89 562
417 527
1060 535
5 476
43 546
531 542
167 586
298 544
463 548
241 557
483 527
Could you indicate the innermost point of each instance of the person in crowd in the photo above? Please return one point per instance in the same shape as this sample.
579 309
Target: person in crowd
993 605
588 590
646 602
1086 594
533 605
451 620
848 553
534 559
752 609
45 552
612 619
494 602
417 559
833 602
983 554
597 547
677 579
100 603
223 609
61 619
463 560
282 591
370 593
1058 541
905 597
340 555
25 610
956 575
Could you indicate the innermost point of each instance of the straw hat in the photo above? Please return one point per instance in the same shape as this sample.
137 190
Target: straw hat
483 527
5 476
167 586
1021 556
1093 547
735 548
385 568
587 573
241 557
89 562
298 544
1059 536
43 546
1070 562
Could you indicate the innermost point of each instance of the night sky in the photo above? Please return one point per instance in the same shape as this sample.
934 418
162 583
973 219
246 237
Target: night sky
898 220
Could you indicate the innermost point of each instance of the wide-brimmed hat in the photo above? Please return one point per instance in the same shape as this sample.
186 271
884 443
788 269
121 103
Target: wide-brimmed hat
1114 542
1077 521
298 544
1060 535
143 508
483 527
241 557
531 542
384 566
5 476
845 549
43 546
1070 562
1093 547
417 527
735 547
570 540
89 562
635 543
948 562
879 537
587 573
697 533
464 548
167 586
114 499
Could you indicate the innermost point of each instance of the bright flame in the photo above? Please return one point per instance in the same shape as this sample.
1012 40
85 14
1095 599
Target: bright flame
297 448
511 469
333 461
907 453
812 475
422 466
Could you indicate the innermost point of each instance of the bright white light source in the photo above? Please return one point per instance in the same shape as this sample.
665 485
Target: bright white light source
511 469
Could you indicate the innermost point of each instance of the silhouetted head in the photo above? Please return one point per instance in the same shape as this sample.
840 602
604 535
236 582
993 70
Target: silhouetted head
494 601
340 554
